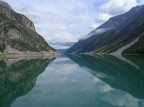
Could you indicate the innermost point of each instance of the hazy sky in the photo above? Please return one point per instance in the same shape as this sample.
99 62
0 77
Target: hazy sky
70 20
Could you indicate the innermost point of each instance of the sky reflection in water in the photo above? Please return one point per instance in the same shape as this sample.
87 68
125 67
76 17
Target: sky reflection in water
80 82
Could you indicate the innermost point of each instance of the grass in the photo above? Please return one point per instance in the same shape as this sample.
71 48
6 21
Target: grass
2 55
22 46
137 48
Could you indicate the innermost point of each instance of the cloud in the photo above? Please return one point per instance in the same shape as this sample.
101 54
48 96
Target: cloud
104 16
115 7
61 36
112 8
52 27
94 26
55 19
96 32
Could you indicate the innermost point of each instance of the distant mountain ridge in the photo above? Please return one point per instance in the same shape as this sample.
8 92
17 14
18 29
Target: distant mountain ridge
63 43
18 34
118 33
62 46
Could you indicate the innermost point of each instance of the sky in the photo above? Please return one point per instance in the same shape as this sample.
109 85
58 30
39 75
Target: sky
70 20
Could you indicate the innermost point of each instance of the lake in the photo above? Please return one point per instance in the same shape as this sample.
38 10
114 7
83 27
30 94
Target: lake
72 81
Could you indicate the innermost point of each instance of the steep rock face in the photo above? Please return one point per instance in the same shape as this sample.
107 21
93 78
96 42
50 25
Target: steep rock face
7 11
18 32
115 33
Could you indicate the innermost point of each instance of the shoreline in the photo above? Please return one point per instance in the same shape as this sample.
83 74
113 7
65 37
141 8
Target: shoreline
30 55
88 53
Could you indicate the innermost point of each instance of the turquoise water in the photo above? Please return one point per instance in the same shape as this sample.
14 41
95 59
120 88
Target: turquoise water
73 81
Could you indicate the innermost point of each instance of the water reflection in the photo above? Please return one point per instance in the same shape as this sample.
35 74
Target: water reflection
117 73
73 81
18 77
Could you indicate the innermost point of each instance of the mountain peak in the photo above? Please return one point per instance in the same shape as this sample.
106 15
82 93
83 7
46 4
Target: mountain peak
5 4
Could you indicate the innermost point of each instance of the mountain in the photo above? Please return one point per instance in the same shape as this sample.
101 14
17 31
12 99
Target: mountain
62 46
18 34
63 43
122 34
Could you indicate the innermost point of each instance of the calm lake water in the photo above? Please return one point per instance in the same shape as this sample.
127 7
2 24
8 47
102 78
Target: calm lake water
72 81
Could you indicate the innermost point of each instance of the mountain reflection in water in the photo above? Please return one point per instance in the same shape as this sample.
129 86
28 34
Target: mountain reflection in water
125 75
73 81
18 77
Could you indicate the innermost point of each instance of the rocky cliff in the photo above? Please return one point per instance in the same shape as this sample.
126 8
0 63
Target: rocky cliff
18 33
